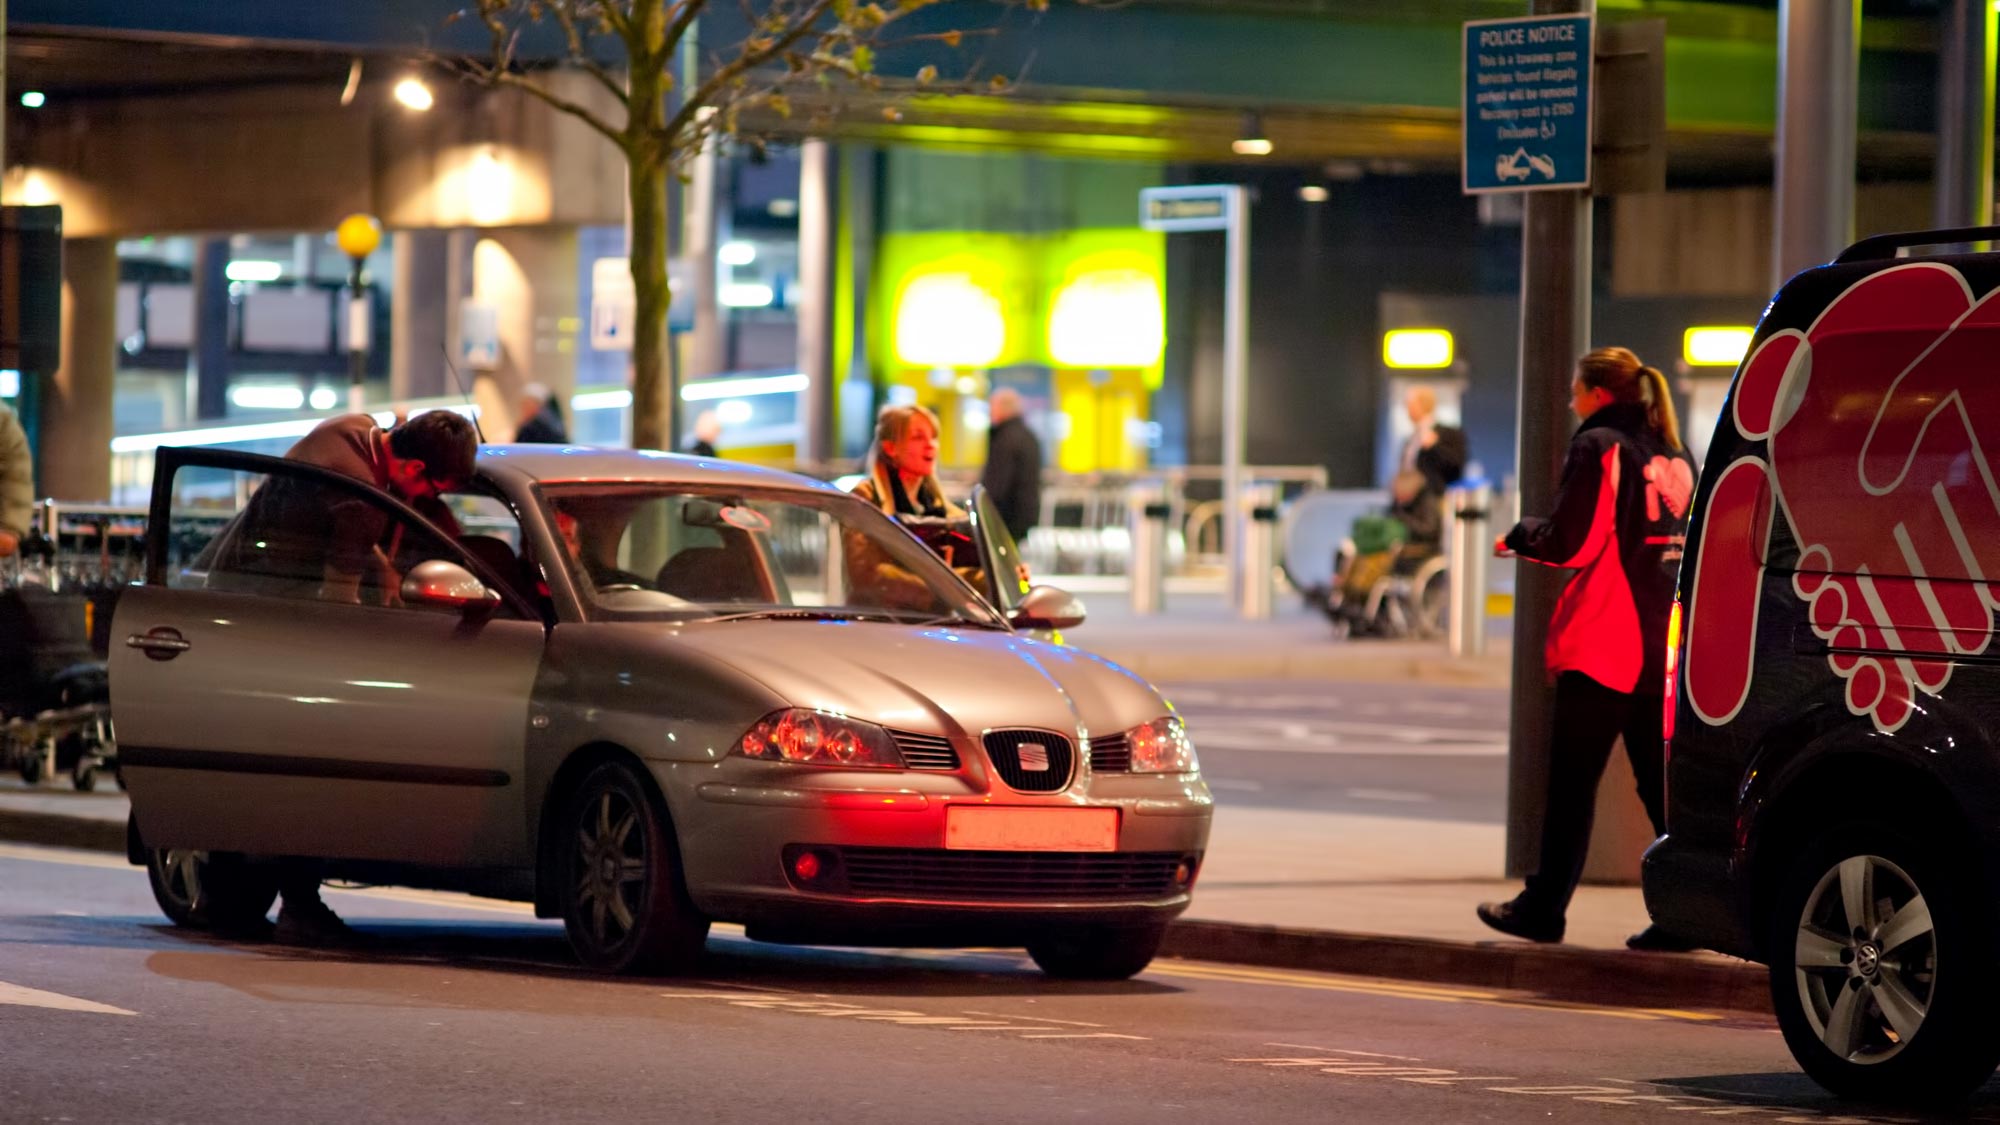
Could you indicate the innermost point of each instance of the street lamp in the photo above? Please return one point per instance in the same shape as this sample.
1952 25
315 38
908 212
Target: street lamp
357 236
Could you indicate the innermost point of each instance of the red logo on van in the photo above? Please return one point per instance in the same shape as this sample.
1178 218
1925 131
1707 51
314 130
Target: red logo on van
1874 459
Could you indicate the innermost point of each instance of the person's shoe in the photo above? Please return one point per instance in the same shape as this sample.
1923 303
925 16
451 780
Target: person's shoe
312 924
1512 918
1653 939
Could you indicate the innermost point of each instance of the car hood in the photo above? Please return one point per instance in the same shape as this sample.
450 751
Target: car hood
930 679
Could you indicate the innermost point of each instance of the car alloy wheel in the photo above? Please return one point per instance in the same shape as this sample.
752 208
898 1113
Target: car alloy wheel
623 902
1865 960
211 890
1882 974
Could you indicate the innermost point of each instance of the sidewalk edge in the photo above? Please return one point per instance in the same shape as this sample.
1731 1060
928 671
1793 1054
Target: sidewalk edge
54 830
1702 982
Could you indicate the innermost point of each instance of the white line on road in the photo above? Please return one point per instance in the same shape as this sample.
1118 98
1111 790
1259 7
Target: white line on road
36 998
1400 795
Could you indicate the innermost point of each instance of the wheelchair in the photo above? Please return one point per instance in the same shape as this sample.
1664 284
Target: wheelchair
1397 591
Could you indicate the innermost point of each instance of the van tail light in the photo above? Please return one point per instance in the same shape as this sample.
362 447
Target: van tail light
1673 679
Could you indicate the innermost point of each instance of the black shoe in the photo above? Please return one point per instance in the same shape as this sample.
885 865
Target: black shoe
313 924
1512 918
1653 939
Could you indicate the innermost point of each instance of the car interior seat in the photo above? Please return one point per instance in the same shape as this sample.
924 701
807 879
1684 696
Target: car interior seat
496 553
711 574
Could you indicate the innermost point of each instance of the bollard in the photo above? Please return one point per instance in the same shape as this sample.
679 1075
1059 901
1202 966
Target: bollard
1260 544
1146 514
1470 546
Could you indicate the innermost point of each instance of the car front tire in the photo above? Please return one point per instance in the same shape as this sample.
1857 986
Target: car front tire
1097 954
1882 969
623 902
210 890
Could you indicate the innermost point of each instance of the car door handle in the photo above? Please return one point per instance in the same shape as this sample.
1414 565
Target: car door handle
160 643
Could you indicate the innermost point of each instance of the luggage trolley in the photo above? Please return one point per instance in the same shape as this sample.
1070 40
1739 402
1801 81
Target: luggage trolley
56 600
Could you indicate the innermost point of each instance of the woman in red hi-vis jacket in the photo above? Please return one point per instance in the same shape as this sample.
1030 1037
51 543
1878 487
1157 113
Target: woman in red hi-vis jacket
1620 521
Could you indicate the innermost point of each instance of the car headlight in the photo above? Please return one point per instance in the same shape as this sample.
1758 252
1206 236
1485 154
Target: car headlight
1162 746
814 738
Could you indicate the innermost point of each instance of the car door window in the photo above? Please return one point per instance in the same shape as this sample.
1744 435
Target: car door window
293 535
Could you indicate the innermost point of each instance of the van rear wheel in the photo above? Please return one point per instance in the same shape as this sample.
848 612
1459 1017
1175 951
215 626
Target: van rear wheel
1882 972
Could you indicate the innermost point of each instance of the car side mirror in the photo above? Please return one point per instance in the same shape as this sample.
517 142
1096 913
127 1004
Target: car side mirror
439 584
1046 607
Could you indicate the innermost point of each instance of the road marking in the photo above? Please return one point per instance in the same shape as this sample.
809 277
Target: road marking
1035 1019
36 998
1230 784
1400 990
1403 796
1345 1051
63 856
804 1004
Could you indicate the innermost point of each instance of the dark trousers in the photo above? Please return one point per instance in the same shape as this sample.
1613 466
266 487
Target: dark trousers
1589 717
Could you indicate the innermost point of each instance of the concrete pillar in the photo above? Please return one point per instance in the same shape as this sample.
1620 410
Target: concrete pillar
530 274
1819 60
208 358
418 299
707 226
817 168
457 287
76 424
1965 115
859 199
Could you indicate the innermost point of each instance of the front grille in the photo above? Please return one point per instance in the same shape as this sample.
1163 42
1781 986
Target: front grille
1031 761
1111 754
925 751
925 873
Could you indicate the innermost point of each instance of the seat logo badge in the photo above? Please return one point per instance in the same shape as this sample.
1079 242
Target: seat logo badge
1034 757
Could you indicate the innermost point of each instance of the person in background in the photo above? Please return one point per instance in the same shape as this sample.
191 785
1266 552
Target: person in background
17 483
1013 473
1433 460
707 431
541 418
1620 522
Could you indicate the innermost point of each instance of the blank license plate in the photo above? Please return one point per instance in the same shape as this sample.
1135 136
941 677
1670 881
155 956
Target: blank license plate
1032 830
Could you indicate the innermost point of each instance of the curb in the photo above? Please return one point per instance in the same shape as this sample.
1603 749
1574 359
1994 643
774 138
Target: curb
1558 972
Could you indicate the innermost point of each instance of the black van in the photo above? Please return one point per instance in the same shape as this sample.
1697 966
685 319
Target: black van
1833 770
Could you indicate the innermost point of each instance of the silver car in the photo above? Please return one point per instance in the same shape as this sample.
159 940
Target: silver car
644 693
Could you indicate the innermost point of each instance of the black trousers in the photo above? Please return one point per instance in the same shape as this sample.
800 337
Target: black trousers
1589 717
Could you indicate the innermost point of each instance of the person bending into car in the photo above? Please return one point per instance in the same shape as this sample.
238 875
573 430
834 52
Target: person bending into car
300 534
1619 522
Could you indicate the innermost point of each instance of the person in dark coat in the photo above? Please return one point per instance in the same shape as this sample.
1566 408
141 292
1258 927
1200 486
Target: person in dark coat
1013 473
542 419
1620 523
1433 460
707 431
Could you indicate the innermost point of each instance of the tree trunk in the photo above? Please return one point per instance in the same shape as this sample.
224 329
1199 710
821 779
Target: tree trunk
653 394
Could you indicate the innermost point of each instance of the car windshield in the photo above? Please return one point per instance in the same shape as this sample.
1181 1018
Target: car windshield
728 554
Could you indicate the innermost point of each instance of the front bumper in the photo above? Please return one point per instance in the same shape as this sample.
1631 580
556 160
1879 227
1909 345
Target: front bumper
886 873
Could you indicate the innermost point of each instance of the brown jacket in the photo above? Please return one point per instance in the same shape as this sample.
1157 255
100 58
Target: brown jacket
17 475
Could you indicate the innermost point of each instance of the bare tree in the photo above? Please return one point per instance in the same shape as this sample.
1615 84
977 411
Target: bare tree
794 50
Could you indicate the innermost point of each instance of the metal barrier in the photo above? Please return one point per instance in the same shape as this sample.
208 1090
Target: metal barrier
1470 556
1260 549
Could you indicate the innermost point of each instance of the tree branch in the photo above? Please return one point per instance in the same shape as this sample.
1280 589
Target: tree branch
494 76
581 53
684 13
749 60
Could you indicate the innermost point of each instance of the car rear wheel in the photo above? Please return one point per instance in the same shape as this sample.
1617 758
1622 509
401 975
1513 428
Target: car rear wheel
1882 970
209 890
623 901
1097 954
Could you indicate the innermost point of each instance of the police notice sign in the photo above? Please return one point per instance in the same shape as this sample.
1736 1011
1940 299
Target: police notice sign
1527 103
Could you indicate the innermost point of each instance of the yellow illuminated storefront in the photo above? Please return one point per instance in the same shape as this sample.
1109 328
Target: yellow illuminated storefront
1084 308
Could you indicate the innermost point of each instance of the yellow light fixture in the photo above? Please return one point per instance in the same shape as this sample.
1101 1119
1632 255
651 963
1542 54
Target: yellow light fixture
358 235
949 320
1252 142
1108 318
1417 348
1716 346
414 95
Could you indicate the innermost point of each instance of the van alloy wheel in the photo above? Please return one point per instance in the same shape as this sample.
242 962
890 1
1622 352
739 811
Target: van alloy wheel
1865 960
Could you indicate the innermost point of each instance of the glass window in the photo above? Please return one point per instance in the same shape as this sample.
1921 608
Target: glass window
286 536
692 553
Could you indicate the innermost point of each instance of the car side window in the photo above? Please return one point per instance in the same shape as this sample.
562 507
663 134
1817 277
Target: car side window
292 536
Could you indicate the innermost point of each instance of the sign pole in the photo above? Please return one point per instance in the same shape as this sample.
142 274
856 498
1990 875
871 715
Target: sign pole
1235 392
1223 207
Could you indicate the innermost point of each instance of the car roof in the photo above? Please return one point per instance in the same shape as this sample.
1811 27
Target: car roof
583 464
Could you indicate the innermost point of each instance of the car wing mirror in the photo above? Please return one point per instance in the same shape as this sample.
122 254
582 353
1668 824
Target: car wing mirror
439 584
1046 607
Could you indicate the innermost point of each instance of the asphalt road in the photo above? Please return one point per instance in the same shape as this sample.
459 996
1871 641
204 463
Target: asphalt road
470 1011
1407 750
